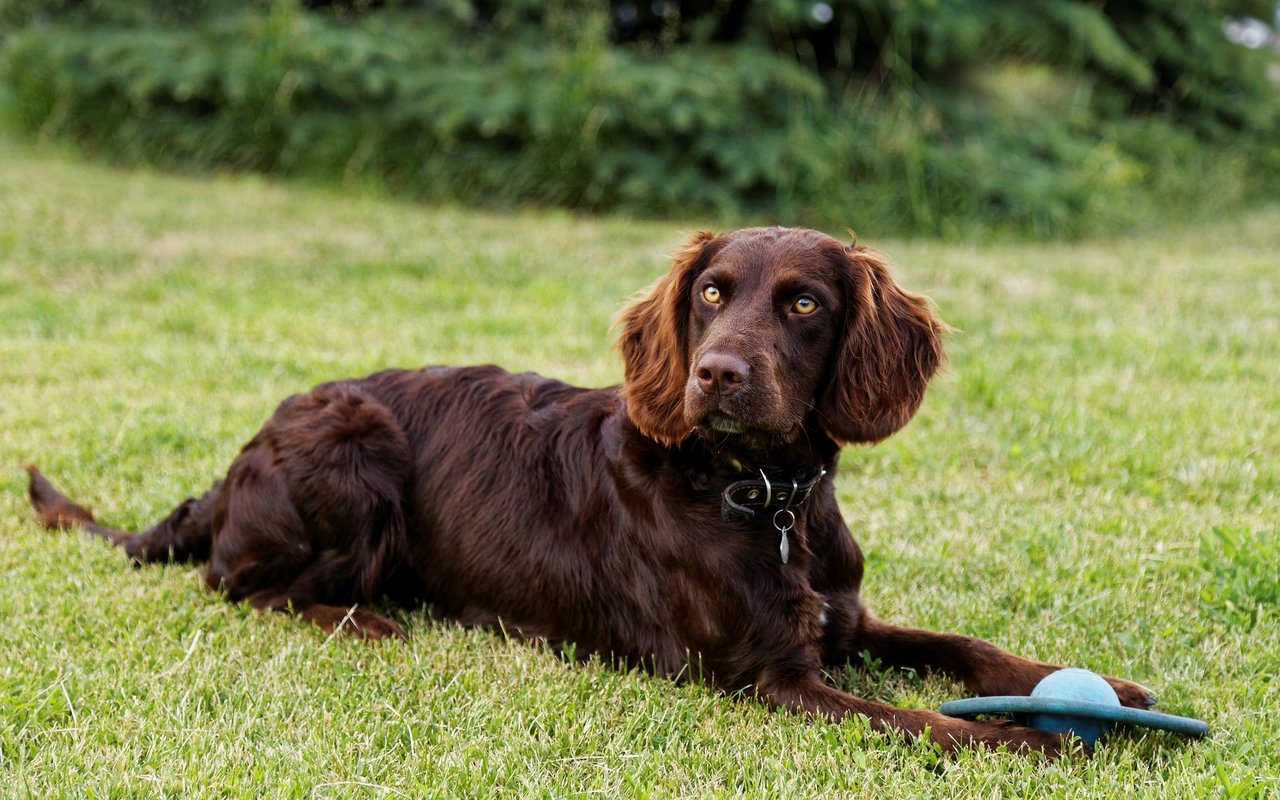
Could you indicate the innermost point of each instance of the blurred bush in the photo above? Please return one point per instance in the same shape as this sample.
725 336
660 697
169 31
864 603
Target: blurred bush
1058 118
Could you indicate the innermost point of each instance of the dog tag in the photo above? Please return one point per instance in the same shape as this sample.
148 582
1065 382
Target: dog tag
784 546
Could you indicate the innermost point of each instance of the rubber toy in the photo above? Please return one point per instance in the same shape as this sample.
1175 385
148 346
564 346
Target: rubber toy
1076 701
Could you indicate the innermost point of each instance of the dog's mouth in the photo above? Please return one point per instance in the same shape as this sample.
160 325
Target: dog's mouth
718 422
723 423
740 417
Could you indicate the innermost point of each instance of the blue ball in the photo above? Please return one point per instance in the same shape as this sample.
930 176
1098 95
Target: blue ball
1073 684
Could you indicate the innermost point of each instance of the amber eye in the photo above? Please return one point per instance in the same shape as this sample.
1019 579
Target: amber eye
805 305
711 294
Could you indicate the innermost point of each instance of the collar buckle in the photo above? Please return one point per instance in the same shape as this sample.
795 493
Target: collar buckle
742 499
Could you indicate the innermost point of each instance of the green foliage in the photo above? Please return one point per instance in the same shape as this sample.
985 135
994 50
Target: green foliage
391 98
1060 118
1157 54
1195 78
163 13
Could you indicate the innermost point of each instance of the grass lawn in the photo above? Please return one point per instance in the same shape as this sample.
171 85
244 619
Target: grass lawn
1095 480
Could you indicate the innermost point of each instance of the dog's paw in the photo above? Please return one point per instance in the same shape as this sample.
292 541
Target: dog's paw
1132 695
371 626
352 622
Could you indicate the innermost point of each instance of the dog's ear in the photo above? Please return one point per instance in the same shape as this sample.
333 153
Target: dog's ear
655 346
889 348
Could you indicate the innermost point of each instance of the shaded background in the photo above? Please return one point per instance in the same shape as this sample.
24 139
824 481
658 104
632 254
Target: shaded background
1055 118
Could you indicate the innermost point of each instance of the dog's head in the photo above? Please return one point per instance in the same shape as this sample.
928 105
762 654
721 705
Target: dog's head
759 331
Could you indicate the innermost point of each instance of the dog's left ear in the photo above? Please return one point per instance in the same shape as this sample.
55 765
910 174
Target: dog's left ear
655 346
889 349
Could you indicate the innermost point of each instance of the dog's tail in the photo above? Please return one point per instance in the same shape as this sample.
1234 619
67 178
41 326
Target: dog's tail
185 534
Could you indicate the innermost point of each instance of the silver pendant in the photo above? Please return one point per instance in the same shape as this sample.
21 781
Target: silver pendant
784 524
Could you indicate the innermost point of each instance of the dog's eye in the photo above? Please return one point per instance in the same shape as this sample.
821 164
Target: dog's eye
711 294
805 305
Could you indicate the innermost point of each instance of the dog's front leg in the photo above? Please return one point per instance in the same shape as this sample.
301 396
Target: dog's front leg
808 694
983 668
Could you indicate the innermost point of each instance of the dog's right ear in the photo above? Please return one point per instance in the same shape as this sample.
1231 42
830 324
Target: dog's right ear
655 346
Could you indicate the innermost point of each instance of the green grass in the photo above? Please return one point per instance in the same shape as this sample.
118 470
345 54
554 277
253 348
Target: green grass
1094 481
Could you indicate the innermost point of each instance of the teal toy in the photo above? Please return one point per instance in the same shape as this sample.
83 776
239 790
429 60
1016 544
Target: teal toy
1074 701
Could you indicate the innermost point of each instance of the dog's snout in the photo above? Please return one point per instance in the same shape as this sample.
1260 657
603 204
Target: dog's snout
721 373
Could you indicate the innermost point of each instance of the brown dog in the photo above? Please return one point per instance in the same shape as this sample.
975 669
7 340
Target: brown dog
685 517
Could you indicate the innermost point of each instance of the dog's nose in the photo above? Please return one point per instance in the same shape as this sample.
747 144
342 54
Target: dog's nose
721 373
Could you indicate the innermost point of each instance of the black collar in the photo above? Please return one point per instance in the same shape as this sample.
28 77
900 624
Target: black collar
742 499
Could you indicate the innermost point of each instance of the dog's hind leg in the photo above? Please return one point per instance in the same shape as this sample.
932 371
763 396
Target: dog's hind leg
184 534
311 519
